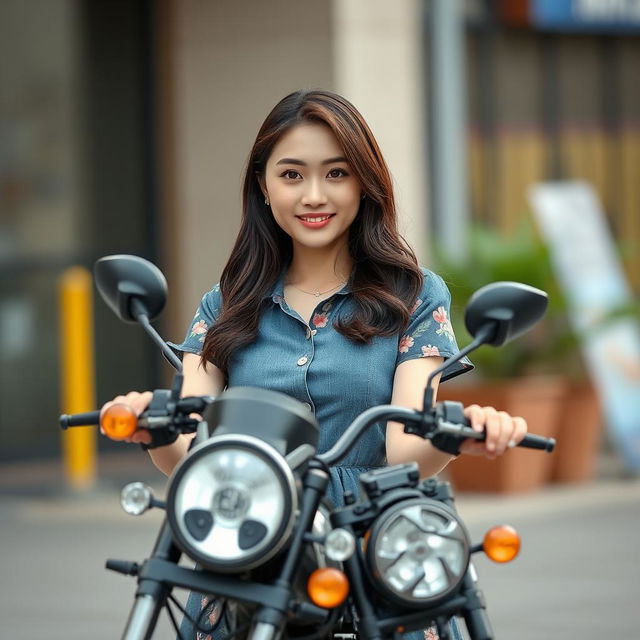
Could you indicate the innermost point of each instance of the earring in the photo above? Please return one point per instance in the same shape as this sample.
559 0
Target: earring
363 196
266 200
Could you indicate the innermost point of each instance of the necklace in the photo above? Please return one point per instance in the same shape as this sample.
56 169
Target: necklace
317 294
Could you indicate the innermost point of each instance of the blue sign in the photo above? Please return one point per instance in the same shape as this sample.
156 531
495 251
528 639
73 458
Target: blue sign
603 16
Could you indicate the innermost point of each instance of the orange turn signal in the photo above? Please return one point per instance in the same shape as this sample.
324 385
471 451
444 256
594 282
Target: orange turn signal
501 543
328 587
119 421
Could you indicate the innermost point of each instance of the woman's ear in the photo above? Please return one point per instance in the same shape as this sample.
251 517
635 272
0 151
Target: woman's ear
262 184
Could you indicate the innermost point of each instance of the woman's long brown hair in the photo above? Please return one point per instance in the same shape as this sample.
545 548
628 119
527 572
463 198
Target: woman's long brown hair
386 278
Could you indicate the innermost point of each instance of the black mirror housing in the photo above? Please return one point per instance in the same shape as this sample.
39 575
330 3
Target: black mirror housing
131 285
502 311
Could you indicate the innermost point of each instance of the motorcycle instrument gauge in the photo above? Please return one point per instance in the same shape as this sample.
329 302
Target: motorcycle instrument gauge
418 552
231 503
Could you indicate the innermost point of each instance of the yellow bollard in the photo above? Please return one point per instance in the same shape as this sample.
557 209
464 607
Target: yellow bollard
77 375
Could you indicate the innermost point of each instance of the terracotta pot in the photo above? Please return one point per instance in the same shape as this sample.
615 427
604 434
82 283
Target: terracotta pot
538 400
578 435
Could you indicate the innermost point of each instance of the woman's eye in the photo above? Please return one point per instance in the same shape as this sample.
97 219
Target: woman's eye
337 173
290 174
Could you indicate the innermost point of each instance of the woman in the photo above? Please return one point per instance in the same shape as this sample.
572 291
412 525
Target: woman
322 299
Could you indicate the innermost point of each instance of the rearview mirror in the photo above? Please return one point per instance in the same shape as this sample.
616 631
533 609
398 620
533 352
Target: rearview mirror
501 311
131 285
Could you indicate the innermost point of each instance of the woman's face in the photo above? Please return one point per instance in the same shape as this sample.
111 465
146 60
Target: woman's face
313 194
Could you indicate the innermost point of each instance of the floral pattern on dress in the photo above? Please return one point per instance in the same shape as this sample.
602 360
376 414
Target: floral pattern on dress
442 318
209 614
407 341
199 329
429 350
321 319
431 634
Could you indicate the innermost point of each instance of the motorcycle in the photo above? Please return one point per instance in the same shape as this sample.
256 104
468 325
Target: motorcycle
247 503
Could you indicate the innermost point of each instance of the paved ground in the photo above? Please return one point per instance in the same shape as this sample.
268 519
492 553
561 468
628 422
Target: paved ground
577 576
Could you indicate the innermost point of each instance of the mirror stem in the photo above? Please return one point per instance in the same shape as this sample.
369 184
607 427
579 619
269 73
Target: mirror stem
141 316
484 333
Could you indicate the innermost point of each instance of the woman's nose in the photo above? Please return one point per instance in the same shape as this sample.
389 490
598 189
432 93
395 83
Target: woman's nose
313 194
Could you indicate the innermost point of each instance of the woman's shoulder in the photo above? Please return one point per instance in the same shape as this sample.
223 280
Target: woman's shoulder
211 303
433 286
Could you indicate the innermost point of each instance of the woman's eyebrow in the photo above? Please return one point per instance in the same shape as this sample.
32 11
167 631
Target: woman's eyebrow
301 163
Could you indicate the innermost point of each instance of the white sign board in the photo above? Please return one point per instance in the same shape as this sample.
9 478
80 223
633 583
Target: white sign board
589 271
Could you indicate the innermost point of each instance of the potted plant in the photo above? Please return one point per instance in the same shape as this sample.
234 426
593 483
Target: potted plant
532 377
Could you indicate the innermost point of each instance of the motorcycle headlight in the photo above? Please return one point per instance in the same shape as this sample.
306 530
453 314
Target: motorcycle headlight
231 503
418 552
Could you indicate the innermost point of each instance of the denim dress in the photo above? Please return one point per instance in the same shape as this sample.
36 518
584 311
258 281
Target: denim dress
333 377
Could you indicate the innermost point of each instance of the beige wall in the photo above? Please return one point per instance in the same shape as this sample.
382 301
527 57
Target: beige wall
231 62
379 66
228 63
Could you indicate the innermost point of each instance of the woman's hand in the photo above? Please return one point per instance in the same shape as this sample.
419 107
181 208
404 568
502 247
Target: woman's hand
139 403
503 431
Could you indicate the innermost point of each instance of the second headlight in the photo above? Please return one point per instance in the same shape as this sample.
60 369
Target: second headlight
418 552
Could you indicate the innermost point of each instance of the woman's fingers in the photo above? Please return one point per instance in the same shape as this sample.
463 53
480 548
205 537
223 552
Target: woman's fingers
475 414
519 431
141 436
505 432
139 403
502 431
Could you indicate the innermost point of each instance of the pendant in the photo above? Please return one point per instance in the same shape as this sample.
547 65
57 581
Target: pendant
317 294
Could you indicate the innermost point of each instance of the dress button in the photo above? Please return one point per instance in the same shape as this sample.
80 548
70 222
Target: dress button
307 405
308 333
302 361
313 332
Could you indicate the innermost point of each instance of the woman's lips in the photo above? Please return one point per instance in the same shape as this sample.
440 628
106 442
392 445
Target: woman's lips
316 221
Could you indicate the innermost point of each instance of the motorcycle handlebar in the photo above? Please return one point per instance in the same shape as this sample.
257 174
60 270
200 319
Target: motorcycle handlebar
188 405
88 419
460 429
530 441
533 441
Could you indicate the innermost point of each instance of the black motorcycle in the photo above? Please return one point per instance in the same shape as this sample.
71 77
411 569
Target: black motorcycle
248 505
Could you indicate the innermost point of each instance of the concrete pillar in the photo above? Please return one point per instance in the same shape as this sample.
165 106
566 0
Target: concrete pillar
378 65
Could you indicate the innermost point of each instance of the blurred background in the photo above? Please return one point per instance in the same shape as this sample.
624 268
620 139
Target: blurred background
124 128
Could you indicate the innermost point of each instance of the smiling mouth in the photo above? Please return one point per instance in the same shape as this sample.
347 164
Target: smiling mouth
316 218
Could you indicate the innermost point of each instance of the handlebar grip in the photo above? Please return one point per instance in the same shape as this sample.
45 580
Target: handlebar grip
532 441
88 419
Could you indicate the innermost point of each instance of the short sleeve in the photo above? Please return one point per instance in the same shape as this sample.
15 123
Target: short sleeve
206 315
430 332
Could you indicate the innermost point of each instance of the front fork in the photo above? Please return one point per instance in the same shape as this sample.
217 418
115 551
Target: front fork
151 595
475 610
269 621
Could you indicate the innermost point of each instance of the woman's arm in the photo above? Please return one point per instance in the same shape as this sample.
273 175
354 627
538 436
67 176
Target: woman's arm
408 391
409 382
197 382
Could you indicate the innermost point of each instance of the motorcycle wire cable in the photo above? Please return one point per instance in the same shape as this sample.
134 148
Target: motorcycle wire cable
323 631
198 622
171 615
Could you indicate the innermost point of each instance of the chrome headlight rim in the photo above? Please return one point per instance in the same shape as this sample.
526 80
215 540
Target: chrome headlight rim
283 473
375 535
